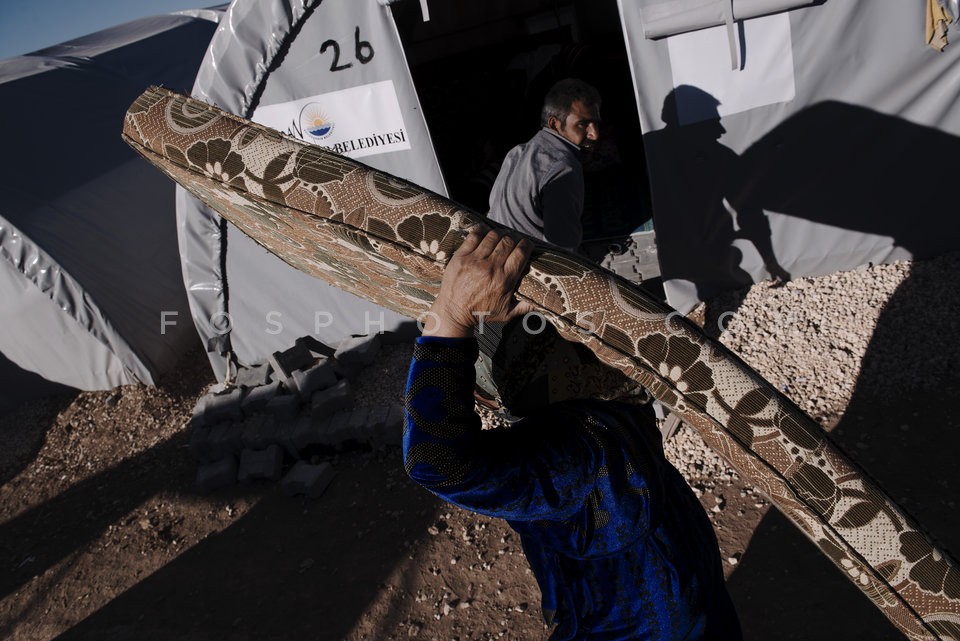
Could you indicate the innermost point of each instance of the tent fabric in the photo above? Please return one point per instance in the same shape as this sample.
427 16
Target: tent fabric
271 61
815 155
680 16
88 249
91 351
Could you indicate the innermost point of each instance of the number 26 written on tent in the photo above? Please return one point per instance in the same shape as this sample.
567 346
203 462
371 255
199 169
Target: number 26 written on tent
364 52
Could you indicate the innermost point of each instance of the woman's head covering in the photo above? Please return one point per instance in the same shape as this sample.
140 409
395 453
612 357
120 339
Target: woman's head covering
525 365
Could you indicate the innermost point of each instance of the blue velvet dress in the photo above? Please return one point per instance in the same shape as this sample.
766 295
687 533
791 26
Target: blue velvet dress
617 541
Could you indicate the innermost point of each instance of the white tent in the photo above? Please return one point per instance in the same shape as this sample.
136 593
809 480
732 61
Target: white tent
338 63
793 136
88 249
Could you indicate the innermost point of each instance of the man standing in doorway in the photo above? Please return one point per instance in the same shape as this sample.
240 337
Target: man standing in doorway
539 190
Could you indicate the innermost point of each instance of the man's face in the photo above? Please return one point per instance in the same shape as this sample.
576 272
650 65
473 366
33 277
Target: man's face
582 126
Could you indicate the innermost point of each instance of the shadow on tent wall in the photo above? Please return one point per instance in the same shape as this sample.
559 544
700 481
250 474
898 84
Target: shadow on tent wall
843 166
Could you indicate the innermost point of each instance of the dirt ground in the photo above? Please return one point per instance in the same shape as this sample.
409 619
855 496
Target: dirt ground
104 536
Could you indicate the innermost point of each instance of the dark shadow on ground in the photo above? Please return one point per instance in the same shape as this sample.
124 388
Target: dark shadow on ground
290 568
23 429
254 580
44 535
903 427
250 581
784 588
19 386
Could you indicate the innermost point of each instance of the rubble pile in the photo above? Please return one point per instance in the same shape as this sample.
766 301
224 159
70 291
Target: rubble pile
277 420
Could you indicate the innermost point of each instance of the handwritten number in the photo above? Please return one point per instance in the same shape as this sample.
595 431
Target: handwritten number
336 55
362 47
363 52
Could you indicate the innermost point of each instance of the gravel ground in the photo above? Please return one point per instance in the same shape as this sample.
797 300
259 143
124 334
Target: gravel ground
103 535
819 339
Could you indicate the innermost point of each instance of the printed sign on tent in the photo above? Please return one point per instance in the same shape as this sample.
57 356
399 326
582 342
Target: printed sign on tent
356 122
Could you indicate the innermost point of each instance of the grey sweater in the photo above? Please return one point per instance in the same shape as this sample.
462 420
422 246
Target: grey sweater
539 190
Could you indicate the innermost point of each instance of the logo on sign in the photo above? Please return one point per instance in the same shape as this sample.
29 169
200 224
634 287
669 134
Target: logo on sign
356 122
315 122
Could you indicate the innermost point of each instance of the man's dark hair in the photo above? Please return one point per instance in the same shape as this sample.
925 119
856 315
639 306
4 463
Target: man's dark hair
561 97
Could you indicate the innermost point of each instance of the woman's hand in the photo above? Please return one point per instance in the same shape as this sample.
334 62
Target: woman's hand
478 284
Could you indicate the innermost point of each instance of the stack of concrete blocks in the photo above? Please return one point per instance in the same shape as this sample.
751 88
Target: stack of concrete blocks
279 415
636 260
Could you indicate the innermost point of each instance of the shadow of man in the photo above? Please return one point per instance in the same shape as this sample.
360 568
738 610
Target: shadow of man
699 197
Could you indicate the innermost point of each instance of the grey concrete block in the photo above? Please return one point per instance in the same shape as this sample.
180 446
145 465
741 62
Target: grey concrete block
308 431
217 475
670 426
259 431
260 464
225 439
316 347
337 430
626 270
357 426
253 376
200 447
307 479
256 398
224 406
331 400
355 353
318 377
284 407
288 361
289 434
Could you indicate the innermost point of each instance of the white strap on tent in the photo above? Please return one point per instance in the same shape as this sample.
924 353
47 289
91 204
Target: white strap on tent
670 17
231 373
424 9
732 39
